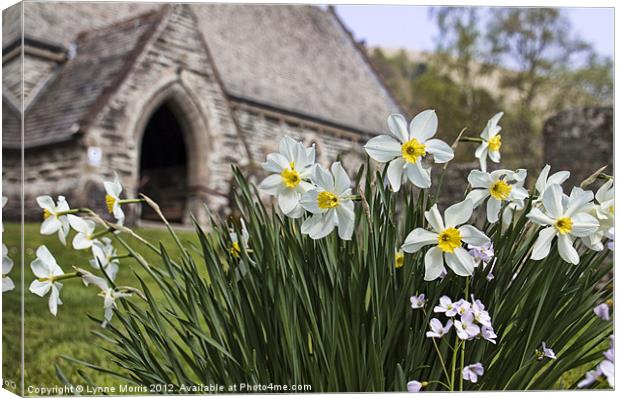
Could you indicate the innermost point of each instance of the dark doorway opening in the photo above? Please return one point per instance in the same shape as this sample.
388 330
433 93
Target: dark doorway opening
163 166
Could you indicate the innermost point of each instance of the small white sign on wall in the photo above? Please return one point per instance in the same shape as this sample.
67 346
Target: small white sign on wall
94 156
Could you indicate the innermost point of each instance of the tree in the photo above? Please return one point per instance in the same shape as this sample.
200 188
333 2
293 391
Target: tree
536 43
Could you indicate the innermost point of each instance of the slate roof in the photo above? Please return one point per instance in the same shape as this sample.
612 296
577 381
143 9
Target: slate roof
295 58
82 85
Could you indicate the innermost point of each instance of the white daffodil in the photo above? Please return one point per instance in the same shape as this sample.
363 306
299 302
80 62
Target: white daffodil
235 248
47 270
7 266
110 295
85 236
447 239
545 180
104 257
603 211
491 142
399 259
113 200
330 203
408 148
500 187
54 217
565 218
292 166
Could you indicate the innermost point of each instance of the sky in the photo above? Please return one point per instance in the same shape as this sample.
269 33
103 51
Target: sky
411 26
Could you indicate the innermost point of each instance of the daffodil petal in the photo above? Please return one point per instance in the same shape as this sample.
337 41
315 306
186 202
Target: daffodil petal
39 288
583 225
287 200
395 173
419 176
566 249
46 256
434 219
323 179
46 202
272 184
433 264
398 127
461 262
542 246
423 126
441 151
493 207
346 221
50 225
458 213
309 201
552 200
276 163
81 242
540 218
383 148
342 182
577 200
417 239
479 179
472 235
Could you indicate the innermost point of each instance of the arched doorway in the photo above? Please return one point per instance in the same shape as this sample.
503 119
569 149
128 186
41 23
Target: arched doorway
164 165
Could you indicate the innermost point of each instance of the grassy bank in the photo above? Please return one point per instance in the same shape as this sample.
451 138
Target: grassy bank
70 333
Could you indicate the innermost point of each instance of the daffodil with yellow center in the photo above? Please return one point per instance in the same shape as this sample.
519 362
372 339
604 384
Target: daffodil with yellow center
500 190
113 200
235 250
491 142
413 150
563 217
447 235
449 239
327 200
330 203
564 225
399 259
55 216
495 143
110 201
290 170
290 176
405 147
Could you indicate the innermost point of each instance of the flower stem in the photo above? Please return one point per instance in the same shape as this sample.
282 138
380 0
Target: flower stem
454 357
61 277
470 139
127 201
441 360
119 257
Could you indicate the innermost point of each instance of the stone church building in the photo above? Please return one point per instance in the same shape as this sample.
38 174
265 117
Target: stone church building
169 96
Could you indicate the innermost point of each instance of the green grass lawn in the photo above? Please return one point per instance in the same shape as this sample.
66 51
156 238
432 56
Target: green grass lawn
70 333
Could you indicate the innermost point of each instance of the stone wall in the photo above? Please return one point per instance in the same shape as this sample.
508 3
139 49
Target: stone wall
174 68
51 170
580 141
263 130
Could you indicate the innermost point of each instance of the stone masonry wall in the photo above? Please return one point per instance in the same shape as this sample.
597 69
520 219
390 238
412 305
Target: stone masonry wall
581 141
52 170
264 131
174 66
